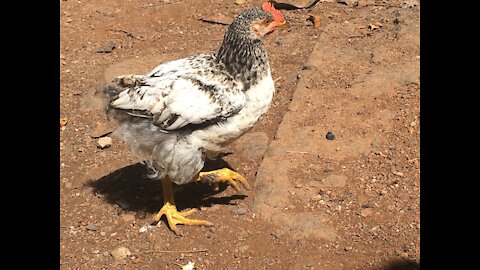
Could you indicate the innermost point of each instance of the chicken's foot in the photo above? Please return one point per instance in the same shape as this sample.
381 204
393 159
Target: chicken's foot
224 175
173 216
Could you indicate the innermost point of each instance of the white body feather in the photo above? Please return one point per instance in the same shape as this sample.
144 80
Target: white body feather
258 100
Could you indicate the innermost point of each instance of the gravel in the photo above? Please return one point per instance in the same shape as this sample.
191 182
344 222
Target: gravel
104 142
330 136
120 253
239 211
91 227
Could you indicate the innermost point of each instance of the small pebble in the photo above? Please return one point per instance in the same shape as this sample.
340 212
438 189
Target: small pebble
120 253
104 142
330 136
128 217
243 248
91 227
366 212
239 211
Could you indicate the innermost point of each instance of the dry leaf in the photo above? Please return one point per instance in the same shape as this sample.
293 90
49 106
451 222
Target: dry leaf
315 20
239 2
219 19
374 25
63 121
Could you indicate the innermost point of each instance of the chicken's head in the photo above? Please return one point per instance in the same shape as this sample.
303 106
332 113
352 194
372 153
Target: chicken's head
274 19
259 21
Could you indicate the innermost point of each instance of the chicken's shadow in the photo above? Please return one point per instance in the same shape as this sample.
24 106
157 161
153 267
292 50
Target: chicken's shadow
131 189
400 264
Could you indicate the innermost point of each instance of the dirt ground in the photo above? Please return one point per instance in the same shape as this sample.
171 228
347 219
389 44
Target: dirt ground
348 203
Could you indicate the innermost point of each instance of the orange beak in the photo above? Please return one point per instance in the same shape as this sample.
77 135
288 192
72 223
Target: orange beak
276 24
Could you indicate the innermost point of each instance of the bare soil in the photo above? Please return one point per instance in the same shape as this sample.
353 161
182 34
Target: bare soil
348 203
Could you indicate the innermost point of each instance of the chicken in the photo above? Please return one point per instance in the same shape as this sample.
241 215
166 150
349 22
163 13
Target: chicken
186 110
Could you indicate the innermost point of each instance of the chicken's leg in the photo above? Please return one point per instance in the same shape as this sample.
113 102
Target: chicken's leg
171 213
224 175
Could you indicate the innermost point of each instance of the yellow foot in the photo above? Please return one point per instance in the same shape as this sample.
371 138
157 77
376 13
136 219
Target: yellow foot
224 175
174 217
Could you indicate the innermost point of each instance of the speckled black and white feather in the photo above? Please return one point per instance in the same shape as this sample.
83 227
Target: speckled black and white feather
183 109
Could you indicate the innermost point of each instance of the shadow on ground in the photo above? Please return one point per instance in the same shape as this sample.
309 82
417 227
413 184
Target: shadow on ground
400 264
131 189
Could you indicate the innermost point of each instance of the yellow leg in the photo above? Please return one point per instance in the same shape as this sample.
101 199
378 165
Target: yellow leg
224 175
171 213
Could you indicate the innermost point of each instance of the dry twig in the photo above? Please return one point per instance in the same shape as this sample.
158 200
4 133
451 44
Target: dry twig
174 251
160 4
127 33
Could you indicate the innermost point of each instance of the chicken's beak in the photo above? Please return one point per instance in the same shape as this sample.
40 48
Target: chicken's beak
276 24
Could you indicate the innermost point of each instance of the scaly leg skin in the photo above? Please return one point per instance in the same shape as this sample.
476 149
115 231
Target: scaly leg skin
171 213
224 175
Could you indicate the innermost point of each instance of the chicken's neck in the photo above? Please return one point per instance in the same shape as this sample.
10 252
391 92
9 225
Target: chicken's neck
244 58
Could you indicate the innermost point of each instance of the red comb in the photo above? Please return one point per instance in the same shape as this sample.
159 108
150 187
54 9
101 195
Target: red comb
268 6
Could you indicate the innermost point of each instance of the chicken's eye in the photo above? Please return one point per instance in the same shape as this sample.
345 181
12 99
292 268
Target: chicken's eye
268 21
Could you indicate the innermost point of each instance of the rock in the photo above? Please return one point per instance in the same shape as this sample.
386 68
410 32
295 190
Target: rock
68 185
239 211
102 129
120 253
335 180
330 136
366 212
104 142
253 144
243 248
367 205
63 121
107 48
398 173
128 217
91 227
